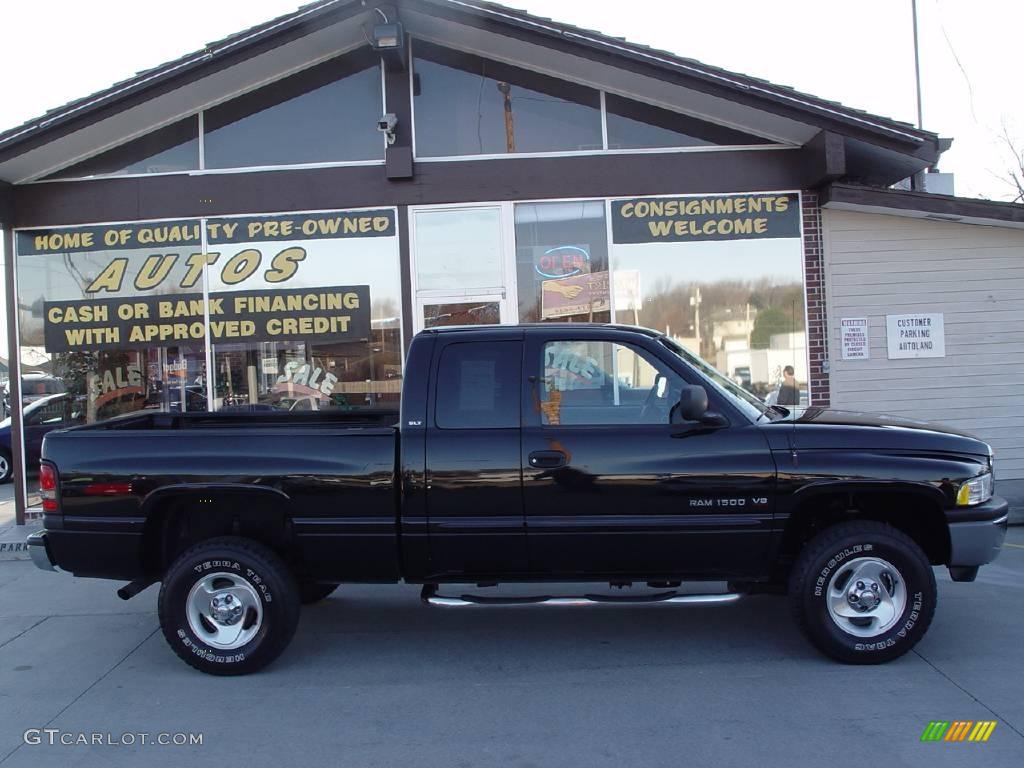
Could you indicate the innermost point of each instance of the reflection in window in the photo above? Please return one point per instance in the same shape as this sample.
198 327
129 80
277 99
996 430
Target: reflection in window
104 375
461 313
562 261
170 149
466 105
459 249
321 371
739 304
634 125
325 114
600 382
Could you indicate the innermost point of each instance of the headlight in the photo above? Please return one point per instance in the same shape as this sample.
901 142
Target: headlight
977 490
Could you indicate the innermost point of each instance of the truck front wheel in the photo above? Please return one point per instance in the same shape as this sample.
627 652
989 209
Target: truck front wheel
228 606
863 592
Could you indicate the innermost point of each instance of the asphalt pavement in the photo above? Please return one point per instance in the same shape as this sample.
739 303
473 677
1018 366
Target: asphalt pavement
375 678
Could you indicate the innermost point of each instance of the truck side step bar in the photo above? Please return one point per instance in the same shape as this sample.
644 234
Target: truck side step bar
429 595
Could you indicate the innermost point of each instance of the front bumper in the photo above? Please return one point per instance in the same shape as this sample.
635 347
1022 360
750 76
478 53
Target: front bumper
39 551
976 533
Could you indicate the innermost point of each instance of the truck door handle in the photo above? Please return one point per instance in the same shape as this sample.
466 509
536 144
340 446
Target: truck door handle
547 459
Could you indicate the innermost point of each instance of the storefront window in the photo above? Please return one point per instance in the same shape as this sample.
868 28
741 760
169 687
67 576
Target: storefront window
170 149
304 314
634 125
325 114
466 105
562 261
93 318
305 311
723 276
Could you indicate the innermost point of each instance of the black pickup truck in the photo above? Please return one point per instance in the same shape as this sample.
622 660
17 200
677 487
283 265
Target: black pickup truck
549 453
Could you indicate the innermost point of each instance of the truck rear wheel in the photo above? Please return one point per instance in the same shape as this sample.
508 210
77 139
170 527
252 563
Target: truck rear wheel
863 592
228 606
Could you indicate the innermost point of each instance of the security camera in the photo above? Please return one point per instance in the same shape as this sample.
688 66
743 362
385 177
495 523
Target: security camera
387 125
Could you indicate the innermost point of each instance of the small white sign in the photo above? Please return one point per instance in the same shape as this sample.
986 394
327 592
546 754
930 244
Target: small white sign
270 366
915 336
855 338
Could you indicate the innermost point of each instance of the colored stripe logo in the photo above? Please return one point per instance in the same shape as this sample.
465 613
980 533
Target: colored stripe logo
958 730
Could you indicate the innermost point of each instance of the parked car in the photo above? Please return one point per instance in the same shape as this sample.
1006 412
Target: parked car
34 385
40 417
520 455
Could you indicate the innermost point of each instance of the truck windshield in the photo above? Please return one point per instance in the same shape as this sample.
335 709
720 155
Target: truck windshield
742 399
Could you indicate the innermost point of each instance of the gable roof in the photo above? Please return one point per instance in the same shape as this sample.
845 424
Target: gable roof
872 138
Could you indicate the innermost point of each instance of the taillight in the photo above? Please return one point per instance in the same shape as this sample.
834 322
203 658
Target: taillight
48 487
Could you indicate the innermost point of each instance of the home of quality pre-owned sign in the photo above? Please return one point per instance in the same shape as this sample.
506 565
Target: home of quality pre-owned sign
709 217
174 235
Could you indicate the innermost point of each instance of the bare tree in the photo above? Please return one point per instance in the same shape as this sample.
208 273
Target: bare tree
1014 175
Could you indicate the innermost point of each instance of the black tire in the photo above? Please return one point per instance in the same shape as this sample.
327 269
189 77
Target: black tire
311 592
827 557
6 467
248 563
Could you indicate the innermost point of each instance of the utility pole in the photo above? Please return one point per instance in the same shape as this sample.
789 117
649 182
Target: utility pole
510 130
695 303
917 65
917 180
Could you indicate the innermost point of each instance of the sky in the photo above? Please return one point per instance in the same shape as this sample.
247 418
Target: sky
858 52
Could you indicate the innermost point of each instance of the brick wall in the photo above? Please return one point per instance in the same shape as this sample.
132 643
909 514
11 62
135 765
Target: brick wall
814 276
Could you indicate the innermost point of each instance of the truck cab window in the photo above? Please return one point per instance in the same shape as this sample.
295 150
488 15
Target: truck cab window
601 382
478 386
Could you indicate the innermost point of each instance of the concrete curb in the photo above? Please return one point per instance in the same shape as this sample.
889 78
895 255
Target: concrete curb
12 540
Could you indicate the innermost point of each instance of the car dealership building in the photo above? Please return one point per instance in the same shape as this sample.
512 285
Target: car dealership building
267 222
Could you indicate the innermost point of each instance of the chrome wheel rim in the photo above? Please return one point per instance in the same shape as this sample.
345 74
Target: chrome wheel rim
866 597
4 467
224 611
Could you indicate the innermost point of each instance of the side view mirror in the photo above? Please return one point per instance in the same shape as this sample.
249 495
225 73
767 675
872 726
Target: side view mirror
693 403
693 406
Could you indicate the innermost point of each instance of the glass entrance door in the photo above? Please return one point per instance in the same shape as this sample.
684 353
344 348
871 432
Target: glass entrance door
463 266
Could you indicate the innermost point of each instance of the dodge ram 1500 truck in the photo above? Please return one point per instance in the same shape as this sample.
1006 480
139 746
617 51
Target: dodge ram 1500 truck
548 453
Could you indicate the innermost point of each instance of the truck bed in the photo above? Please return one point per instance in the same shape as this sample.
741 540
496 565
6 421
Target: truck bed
330 474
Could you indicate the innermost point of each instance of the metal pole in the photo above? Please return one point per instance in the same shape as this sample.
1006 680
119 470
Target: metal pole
211 391
14 384
917 66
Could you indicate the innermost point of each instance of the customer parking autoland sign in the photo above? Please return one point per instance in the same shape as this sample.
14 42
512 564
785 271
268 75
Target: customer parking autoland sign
911 336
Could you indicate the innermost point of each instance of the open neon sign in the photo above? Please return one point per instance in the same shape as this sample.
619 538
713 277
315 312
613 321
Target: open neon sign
562 261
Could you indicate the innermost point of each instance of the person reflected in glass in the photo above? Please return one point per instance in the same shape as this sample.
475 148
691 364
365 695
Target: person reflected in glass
789 393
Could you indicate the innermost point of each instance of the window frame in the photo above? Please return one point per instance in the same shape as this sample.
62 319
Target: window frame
473 64
252 102
765 143
200 115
